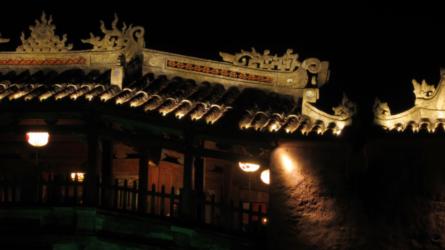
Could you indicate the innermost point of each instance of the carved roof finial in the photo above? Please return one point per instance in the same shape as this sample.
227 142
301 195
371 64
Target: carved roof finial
381 109
43 38
423 90
346 108
3 40
129 38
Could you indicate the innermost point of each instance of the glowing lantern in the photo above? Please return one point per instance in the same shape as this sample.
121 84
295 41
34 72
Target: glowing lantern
264 220
77 176
37 139
265 176
248 166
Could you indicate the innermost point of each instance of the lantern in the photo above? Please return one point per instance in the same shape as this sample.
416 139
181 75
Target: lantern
265 176
37 139
248 166
77 176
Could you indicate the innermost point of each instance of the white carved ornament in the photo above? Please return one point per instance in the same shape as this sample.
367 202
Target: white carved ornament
43 38
288 62
428 110
129 38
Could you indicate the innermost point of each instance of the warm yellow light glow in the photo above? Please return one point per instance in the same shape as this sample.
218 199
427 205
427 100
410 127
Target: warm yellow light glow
265 176
287 163
179 115
264 220
37 139
274 127
248 166
77 176
336 131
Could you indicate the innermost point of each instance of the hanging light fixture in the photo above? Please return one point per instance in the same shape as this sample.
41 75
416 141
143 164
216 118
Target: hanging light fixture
37 139
77 176
249 166
265 176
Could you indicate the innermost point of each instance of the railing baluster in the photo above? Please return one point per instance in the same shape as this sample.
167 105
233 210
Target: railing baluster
231 215
66 187
1 190
260 216
162 212
240 215
212 209
249 220
121 197
125 194
76 194
153 199
14 185
115 194
135 194
172 202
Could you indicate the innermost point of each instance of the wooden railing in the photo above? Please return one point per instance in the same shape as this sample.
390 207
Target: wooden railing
241 216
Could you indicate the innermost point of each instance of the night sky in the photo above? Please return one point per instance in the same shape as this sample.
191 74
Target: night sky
374 49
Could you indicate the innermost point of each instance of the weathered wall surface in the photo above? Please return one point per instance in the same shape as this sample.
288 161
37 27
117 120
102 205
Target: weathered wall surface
405 193
313 204
389 194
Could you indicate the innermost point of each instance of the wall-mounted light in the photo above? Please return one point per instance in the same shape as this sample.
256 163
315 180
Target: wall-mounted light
37 139
265 176
264 221
77 176
249 166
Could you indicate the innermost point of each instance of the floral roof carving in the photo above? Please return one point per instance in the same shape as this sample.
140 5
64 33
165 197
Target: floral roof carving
43 38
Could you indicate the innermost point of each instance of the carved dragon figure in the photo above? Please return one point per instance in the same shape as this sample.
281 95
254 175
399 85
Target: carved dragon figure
345 109
129 38
381 109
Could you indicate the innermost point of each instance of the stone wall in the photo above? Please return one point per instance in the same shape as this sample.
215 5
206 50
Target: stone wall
312 205
405 190
386 194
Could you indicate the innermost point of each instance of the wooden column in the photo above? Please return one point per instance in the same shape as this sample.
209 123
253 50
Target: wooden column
107 172
92 170
143 181
199 188
187 192
199 174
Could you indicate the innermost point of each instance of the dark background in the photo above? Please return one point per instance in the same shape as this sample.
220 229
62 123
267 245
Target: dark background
375 49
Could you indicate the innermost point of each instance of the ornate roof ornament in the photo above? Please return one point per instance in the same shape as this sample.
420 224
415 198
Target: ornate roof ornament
288 62
345 109
129 38
423 90
3 40
43 38
321 121
428 111
381 109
